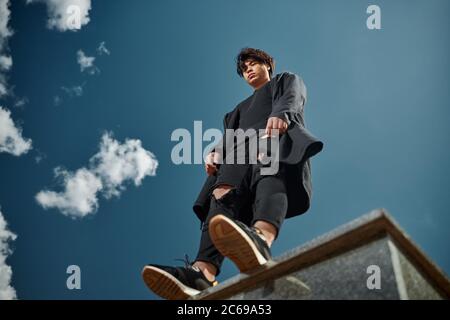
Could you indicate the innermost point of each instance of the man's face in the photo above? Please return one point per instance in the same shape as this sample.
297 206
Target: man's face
255 73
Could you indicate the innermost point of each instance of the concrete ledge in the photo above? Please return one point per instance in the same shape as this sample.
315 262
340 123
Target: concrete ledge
333 266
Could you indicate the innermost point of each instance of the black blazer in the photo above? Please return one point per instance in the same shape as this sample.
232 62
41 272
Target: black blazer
296 146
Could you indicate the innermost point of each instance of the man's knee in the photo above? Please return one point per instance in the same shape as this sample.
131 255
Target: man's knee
221 190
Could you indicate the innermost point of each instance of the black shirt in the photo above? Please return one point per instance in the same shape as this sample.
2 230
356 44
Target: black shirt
256 109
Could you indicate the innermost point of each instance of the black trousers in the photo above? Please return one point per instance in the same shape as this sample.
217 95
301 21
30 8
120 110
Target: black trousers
256 197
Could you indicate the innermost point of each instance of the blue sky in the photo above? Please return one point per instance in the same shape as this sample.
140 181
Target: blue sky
378 99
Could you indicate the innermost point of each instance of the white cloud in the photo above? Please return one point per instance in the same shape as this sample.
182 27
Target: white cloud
5 33
5 63
7 292
86 63
102 49
66 15
3 90
11 139
108 171
79 197
116 163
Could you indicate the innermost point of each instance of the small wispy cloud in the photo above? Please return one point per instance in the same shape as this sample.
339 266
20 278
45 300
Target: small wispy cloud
7 292
11 140
39 156
86 63
20 102
57 100
107 173
75 91
102 49
68 92
5 32
64 15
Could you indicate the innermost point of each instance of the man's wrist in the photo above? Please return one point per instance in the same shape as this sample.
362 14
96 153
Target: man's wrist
283 116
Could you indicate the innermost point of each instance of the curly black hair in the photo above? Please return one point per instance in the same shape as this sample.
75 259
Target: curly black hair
255 54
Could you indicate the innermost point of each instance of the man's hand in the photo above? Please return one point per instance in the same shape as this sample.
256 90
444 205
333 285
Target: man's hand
276 123
210 163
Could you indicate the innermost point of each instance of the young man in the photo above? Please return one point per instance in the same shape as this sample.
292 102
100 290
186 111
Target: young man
241 210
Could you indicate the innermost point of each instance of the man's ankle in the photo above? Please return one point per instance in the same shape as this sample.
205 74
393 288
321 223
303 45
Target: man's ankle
208 270
209 276
268 231
267 237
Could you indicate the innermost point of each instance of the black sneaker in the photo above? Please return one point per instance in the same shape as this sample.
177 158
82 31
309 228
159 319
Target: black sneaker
245 246
176 283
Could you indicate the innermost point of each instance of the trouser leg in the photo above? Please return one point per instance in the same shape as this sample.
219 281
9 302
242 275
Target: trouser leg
256 198
270 196
271 202
230 205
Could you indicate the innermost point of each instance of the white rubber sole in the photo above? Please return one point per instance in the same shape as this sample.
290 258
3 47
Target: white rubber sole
166 285
235 244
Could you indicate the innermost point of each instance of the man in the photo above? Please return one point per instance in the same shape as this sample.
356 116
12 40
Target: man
241 209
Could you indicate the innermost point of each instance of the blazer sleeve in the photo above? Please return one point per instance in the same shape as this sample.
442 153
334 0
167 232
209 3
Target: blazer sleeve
288 96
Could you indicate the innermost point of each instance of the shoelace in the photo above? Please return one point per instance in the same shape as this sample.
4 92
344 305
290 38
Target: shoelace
189 264
186 260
